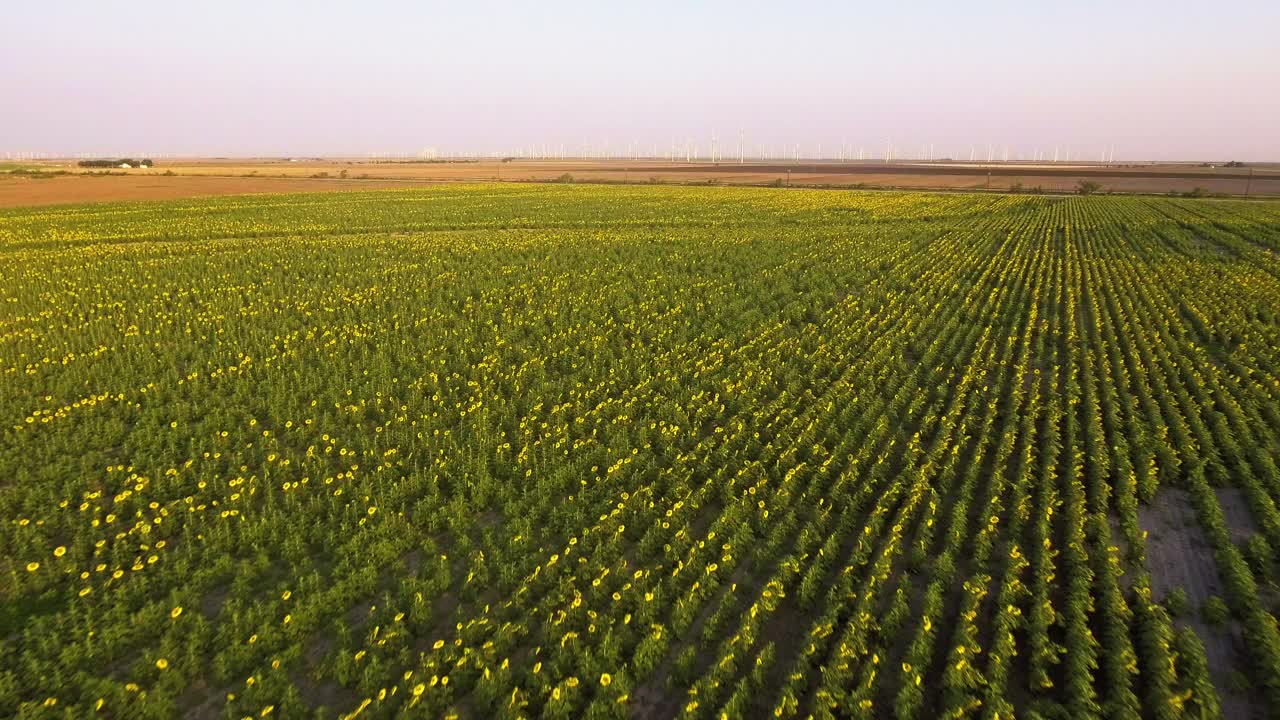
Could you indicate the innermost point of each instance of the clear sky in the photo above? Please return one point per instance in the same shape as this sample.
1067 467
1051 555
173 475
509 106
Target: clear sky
1158 80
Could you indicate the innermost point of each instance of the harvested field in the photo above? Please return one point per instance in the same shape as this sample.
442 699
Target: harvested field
86 188
198 177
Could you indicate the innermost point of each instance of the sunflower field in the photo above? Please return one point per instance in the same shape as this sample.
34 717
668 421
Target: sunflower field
505 451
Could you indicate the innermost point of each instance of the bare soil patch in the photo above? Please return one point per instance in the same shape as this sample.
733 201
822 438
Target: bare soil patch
1179 556
1235 510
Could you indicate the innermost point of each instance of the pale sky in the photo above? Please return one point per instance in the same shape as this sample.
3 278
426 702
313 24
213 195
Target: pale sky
1156 80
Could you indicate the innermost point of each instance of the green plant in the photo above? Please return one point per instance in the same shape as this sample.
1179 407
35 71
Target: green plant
1215 611
1176 602
1237 682
683 670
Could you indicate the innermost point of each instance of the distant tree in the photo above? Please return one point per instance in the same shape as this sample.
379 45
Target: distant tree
1088 187
103 163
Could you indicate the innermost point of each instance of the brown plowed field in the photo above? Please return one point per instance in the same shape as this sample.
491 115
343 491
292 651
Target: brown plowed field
197 177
